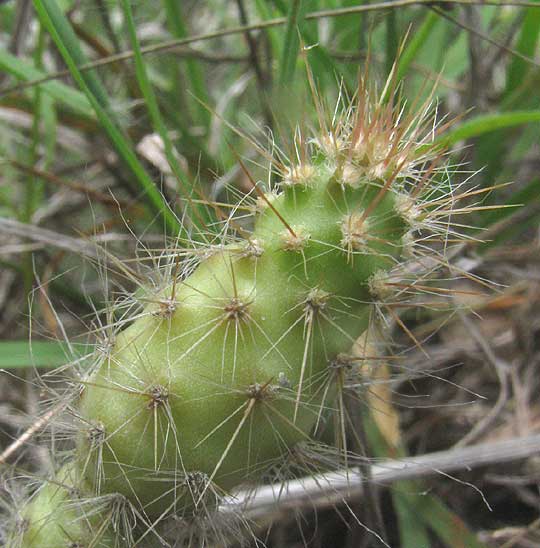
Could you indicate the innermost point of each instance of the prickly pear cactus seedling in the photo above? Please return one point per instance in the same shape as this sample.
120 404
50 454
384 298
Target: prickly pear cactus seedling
240 356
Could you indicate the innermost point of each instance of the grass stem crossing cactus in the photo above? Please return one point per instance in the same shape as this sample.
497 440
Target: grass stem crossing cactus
241 355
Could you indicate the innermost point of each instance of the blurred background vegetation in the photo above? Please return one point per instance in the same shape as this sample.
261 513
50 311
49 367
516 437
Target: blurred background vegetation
122 122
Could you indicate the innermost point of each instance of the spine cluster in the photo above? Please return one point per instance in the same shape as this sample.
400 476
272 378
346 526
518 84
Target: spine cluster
229 367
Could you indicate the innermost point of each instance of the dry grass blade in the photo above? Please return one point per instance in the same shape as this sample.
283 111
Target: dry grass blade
11 227
331 488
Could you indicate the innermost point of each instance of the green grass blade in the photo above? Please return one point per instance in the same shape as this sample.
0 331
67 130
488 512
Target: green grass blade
412 532
34 185
526 44
199 215
443 522
58 27
392 40
177 27
266 13
487 123
416 43
290 45
63 35
528 195
321 64
494 148
422 509
41 354
24 70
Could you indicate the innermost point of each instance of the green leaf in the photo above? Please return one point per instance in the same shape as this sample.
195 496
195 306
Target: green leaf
290 45
529 194
321 64
178 29
67 43
23 69
487 123
416 43
442 521
526 44
392 40
412 532
199 214
421 508
41 354
492 150
60 29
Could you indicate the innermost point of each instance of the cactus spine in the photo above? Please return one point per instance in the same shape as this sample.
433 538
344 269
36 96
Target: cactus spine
228 367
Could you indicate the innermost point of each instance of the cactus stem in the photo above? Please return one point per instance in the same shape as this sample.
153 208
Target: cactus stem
378 285
262 392
96 435
342 361
264 197
252 248
294 240
167 307
316 301
360 190
158 396
355 232
236 310
300 175
308 331
248 408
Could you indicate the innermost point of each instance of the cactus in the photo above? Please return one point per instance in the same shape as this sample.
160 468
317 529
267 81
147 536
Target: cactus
60 514
239 356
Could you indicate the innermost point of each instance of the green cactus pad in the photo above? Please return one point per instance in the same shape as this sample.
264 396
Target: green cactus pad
231 371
